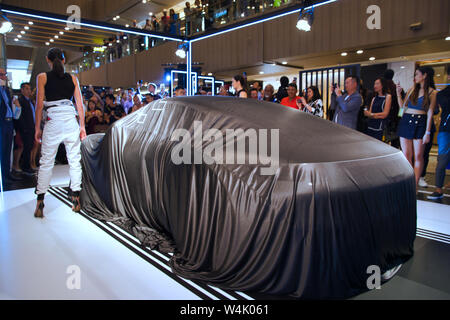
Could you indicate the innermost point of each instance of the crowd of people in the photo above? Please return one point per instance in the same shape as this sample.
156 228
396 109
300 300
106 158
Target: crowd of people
388 113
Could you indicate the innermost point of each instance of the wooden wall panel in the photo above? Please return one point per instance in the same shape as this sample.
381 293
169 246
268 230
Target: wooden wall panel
122 73
96 77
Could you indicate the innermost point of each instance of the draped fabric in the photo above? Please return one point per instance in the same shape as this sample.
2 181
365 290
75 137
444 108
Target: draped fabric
338 202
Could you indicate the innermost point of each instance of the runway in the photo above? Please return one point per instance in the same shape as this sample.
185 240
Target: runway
35 256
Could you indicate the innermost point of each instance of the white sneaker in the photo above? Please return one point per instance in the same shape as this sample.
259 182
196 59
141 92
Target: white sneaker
423 183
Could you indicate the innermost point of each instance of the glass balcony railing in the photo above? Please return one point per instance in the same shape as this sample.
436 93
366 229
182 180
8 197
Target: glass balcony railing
209 15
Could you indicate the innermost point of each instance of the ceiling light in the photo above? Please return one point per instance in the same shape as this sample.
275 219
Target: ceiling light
150 13
51 40
16 39
372 58
30 23
56 37
305 20
6 27
344 54
22 32
127 26
125 37
182 50
47 43
61 32
26 27
210 74
448 38
117 17
67 28
19 36
261 72
284 62
110 44
359 51
144 1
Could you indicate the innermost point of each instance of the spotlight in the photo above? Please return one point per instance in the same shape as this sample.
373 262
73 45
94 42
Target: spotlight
56 37
16 39
47 43
30 23
305 19
61 33
19 36
6 27
22 32
26 27
359 51
181 51
67 28
372 58
344 54
51 40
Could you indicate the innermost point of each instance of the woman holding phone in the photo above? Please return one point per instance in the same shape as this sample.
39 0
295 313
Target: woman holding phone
415 125
61 126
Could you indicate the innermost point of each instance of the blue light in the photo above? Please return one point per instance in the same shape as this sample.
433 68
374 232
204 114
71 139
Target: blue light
263 20
168 78
125 30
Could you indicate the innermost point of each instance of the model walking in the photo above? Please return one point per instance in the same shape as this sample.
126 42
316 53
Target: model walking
61 126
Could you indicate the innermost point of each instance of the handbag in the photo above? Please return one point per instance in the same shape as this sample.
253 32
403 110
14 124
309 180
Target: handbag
403 108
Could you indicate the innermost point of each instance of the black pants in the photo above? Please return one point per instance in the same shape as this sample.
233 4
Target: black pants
6 141
442 164
426 154
28 143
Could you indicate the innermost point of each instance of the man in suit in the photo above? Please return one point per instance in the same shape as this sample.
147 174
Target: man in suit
25 125
7 129
347 106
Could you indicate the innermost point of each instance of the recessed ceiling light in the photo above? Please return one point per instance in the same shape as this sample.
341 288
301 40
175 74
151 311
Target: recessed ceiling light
144 1
372 58
127 25
210 74
344 54
448 38
261 72
16 39
67 28
118 41
284 62
47 43
150 13
125 37
22 32
26 27
110 44
117 17
438 75
51 40
359 51
30 22
402 67
19 36
61 32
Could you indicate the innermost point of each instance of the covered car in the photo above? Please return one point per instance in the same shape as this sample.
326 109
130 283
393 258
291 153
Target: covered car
307 213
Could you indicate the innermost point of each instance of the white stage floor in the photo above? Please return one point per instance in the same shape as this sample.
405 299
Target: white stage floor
35 254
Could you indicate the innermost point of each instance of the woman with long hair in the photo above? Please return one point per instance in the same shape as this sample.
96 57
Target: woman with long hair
313 103
379 109
239 84
58 88
415 125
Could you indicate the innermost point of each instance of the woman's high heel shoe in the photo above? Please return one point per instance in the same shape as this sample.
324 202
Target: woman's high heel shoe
39 212
76 206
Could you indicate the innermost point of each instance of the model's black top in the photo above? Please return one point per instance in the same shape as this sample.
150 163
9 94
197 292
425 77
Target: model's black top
58 88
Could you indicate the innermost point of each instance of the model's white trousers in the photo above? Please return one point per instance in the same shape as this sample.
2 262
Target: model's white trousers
61 126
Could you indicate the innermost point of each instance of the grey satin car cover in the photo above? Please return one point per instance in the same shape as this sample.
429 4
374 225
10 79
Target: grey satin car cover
338 203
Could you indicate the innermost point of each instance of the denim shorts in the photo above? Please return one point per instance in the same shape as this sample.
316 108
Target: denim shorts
412 126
